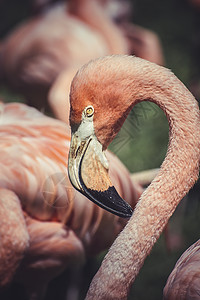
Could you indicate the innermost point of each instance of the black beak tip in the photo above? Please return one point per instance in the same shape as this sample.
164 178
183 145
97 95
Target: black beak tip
111 201
129 211
124 210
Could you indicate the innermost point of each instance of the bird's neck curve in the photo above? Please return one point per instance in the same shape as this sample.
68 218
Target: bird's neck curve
177 175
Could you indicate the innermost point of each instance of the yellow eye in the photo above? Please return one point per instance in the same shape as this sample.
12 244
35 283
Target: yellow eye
89 111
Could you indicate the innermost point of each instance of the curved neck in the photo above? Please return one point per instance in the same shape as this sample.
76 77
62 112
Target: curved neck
176 176
93 14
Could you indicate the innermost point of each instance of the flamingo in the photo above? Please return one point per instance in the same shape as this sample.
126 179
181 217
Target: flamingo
46 226
183 282
61 39
65 36
102 94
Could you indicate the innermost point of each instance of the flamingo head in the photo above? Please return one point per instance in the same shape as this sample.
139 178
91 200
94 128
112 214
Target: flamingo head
95 118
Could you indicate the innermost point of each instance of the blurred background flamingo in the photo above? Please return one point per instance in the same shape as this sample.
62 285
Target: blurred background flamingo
62 37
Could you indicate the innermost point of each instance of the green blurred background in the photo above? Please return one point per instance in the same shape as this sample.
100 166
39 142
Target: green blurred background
142 142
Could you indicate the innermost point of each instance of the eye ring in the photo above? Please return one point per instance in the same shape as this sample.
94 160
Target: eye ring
89 111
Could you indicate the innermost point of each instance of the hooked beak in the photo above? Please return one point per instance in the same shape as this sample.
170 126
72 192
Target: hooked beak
88 173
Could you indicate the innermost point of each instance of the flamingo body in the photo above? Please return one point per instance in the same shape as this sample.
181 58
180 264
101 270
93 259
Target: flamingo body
49 225
184 281
14 235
